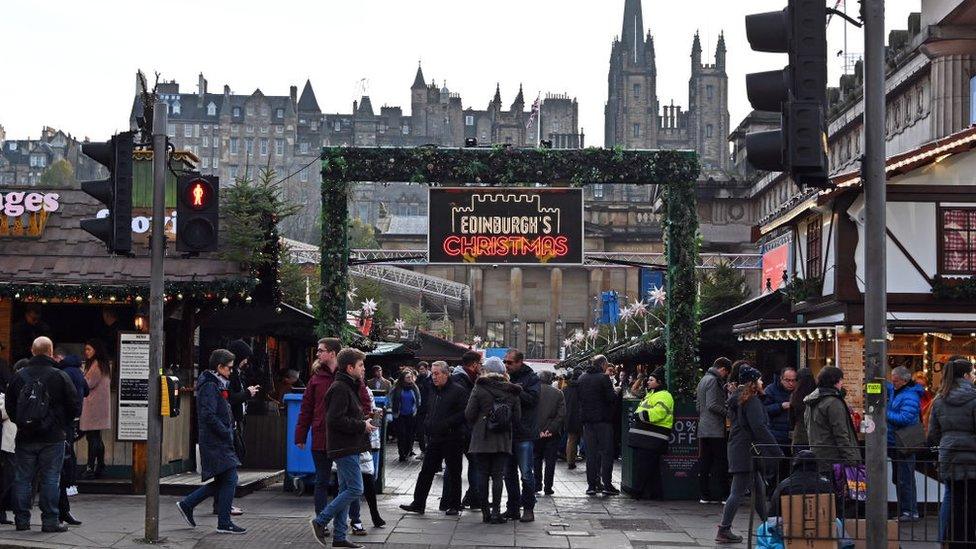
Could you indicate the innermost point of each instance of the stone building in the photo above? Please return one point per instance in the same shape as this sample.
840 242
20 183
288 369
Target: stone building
24 161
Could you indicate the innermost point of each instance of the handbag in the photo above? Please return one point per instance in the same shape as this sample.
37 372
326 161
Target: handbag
910 440
239 447
851 482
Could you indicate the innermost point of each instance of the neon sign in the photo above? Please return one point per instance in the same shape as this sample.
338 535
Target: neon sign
510 226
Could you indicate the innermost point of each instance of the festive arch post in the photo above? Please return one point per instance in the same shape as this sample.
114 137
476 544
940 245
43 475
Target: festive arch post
676 171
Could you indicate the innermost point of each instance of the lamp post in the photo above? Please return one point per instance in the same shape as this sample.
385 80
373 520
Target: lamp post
560 336
516 325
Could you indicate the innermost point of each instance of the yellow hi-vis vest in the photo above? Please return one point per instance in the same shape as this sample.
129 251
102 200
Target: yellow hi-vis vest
654 418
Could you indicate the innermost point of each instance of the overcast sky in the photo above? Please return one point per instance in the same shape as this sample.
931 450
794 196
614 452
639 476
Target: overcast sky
72 64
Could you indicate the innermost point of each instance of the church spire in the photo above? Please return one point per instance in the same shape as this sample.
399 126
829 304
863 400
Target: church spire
632 34
418 81
696 54
720 52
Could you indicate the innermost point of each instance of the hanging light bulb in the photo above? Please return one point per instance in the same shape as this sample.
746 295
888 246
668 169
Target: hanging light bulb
225 301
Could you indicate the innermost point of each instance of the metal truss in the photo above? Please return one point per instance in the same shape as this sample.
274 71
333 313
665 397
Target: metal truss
454 295
310 254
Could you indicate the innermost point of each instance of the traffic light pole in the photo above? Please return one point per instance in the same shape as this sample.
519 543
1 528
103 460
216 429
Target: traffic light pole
156 338
875 286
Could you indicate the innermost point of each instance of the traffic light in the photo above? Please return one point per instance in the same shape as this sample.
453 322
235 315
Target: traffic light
115 230
798 92
197 223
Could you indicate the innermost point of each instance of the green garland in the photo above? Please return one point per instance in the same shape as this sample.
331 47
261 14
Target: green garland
232 289
677 170
335 259
507 166
955 289
681 249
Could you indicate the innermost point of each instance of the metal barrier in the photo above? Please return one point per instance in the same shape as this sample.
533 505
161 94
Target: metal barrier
822 501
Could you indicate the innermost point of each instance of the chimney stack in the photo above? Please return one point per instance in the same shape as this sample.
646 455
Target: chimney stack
293 92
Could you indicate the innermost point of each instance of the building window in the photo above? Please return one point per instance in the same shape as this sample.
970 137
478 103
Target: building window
237 111
709 130
279 147
233 172
535 340
248 128
248 146
957 250
171 130
406 129
814 246
264 129
598 190
211 109
215 163
250 110
176 108
468 120
495 334
234 145
279 113
636 91
303 147
636 130
206 141
279 129
337 126
264 146
206 162
710 92
303 176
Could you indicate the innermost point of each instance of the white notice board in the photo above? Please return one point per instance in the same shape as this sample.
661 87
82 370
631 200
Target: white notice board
133 416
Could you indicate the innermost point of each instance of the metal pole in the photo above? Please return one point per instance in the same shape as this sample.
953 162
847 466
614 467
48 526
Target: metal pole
875 287
154 434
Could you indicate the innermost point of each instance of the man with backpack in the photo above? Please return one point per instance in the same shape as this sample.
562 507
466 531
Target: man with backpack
42 401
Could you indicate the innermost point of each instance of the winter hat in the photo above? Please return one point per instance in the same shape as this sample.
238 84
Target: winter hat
748 374
240 350
661 377
493 365
70 361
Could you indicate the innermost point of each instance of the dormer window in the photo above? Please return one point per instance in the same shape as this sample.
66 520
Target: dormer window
279 113
176 107
211 109
237 112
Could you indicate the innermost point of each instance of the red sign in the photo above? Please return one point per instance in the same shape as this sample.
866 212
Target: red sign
774 263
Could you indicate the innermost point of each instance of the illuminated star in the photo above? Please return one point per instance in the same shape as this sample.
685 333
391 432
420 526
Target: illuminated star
626 313
567 342
369 307
658 295
592 333
351 294
578 336
638 308
477 341
399 324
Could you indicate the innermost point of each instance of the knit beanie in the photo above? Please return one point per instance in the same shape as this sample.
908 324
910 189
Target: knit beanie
748 374
493 365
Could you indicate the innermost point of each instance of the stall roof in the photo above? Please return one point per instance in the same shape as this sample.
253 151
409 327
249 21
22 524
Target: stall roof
264 320
66 254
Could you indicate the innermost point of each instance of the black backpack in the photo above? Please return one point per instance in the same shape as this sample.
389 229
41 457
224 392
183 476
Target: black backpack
499 418
34 412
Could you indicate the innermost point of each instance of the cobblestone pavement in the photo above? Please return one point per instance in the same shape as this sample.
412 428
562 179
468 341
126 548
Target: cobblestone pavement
275 518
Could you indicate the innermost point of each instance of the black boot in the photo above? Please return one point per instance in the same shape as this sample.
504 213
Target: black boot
68 518
485 514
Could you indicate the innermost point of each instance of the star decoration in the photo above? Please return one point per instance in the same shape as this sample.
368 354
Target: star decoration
592 333
578 336
638 308
567 342
399 324
369 307
658 295
351 294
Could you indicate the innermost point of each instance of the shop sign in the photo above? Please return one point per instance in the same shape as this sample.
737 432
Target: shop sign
133 416
680 464
142 223
511 226
775 261
25 213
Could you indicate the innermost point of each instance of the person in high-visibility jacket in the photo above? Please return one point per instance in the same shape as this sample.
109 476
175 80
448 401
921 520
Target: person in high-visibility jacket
650 434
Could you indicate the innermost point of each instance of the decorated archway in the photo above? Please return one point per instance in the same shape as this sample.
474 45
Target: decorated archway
675 171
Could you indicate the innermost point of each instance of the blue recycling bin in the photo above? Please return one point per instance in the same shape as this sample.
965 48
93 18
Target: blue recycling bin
298 463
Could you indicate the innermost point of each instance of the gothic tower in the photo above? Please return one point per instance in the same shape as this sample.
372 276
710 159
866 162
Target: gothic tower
631 110
708 105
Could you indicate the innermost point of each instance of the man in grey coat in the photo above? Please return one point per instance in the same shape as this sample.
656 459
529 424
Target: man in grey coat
552 417
712 445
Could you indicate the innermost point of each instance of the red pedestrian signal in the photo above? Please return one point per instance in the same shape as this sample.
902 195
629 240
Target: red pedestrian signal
198 194
197 213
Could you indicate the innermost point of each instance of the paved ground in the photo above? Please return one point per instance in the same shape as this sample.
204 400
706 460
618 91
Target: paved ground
275 518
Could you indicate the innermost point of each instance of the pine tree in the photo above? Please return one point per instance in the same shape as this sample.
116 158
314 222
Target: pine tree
721 289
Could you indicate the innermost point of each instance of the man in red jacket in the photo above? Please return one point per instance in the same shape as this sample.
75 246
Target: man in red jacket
312 416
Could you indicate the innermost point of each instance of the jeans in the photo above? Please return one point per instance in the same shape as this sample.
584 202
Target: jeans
944 513
544 465
42 460
713 467
471 496
323 473
222 489
520 462
740 484
903 476
449 451
406 431
599 454
491 466
350 490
